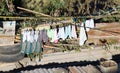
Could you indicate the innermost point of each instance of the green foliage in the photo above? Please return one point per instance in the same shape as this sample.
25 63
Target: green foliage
3 8
66 7
57 4
35 5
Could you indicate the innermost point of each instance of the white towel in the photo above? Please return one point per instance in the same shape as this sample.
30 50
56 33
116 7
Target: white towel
68 31
36 35
74 35
89 24
92 24
24 36
31 36
83 35
28 35
55 36
61 33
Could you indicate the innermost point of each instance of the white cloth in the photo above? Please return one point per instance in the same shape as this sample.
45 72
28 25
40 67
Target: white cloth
92 24
36 35
68 31
61 33
28 35
31 36
89 24
83 35
74 35
24 36
55 36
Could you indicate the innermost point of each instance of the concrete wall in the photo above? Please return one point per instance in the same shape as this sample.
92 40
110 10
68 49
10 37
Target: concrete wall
7 33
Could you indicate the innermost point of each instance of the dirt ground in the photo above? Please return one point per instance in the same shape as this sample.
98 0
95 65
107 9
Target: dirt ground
107 31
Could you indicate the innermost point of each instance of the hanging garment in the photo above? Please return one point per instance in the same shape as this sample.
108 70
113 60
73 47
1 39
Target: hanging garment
31 42
89 24
36 35
74 34
28 46
35 40
37 44
92 24
31 36
23 41
61 33
82 35
54 36
28 36
43 36
38 47
34 45
68 32
24 35
50 33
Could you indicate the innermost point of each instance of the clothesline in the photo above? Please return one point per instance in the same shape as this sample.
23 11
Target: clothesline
79 25
69 23
84 28
60 18
32 41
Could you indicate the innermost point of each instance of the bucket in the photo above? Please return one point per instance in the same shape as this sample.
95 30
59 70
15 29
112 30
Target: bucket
109 66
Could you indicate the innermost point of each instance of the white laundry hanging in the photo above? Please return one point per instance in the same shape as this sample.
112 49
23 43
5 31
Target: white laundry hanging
82 35
74 35
61 33
92 24
89 24
36 35
31 36
24 38
28 35
55 36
